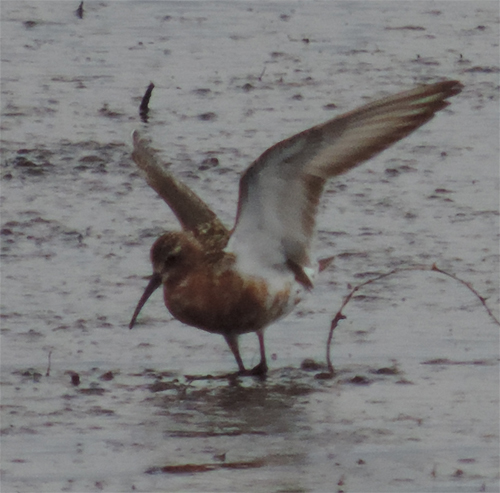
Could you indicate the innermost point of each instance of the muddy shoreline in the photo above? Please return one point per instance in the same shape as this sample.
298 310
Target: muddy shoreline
414 405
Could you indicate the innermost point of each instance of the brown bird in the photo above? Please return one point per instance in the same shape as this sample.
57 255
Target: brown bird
234 282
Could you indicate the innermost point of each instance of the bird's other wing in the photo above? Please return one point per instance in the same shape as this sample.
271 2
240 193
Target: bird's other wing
280 191
193 214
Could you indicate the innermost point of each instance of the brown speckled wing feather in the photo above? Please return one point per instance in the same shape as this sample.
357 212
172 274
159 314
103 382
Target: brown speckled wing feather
193 214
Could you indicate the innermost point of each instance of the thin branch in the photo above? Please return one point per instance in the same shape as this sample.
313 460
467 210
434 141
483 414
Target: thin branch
339 316
144 107
79 11
482 299
47 373
262 73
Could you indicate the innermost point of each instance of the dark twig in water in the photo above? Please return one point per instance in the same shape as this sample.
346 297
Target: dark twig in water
435 268
144 108
79 11
262 73
47 373
339 316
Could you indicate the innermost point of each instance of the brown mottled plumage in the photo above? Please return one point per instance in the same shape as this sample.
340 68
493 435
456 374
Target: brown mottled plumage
239 281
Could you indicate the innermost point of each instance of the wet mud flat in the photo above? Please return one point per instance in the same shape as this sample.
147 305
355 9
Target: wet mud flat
88 405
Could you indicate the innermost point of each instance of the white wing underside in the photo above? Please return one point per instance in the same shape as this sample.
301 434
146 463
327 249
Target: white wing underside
280 191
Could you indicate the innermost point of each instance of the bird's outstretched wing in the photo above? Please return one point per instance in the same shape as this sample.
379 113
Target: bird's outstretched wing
193 214
280 191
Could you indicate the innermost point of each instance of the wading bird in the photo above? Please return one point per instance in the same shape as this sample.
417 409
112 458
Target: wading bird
231 282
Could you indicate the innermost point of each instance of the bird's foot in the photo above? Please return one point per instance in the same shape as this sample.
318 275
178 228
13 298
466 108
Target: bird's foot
258 371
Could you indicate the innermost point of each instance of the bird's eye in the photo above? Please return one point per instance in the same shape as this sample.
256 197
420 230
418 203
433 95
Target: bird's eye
171 260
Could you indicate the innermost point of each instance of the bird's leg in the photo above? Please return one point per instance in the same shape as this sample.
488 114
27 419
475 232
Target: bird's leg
261 368
232 342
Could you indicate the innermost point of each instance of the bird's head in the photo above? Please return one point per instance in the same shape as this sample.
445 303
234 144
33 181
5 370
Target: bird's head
171 254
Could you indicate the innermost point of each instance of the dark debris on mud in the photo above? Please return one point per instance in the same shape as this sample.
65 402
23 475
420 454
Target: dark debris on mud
70 158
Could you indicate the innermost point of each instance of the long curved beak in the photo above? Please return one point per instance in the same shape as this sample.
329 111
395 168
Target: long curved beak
153 285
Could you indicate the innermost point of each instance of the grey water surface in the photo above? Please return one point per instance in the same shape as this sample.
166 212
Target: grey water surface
88 405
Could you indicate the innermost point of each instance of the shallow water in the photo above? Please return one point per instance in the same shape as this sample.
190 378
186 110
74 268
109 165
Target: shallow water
414 403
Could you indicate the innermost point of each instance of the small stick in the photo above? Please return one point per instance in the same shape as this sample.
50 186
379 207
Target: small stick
470 288
47 373
262 73
339 316
144 107
79 11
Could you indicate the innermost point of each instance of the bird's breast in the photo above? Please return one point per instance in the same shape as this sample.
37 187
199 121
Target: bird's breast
226 301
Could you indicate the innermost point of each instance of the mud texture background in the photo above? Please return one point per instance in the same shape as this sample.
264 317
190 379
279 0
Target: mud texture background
414 403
